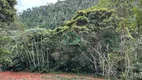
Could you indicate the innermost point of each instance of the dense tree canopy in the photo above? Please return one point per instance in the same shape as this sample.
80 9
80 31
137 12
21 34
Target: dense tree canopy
81 36
45 16
7 10
7 13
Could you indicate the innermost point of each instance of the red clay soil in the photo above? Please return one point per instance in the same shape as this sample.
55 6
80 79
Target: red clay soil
37 76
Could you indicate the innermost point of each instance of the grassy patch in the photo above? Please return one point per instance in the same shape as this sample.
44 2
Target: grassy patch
57 77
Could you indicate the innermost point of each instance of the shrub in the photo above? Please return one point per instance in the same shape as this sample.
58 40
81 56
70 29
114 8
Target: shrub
136 71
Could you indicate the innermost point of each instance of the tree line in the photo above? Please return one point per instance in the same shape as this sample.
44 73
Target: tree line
95 37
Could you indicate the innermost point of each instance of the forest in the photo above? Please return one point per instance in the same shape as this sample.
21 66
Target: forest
100 37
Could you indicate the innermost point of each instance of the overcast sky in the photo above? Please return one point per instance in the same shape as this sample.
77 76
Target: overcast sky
24 4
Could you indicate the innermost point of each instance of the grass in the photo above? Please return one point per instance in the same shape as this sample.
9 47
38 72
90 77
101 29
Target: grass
80 74
57 77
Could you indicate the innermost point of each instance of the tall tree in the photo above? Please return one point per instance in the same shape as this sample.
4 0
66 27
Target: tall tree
7 13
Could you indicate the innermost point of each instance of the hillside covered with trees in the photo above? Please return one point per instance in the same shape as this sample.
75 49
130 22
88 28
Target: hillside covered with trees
101 37
53 15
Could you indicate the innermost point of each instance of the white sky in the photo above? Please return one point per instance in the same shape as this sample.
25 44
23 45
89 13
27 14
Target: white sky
24 4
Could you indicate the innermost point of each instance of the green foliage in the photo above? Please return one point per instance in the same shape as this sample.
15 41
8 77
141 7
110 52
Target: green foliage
69 23
7 16
81 21
18 63
136 71
58 49
80 29
138 15
5 52
7 10
53 15
31 47
71 39
104 41
111 38
122 8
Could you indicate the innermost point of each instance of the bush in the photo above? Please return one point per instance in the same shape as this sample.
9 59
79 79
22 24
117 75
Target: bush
136 71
